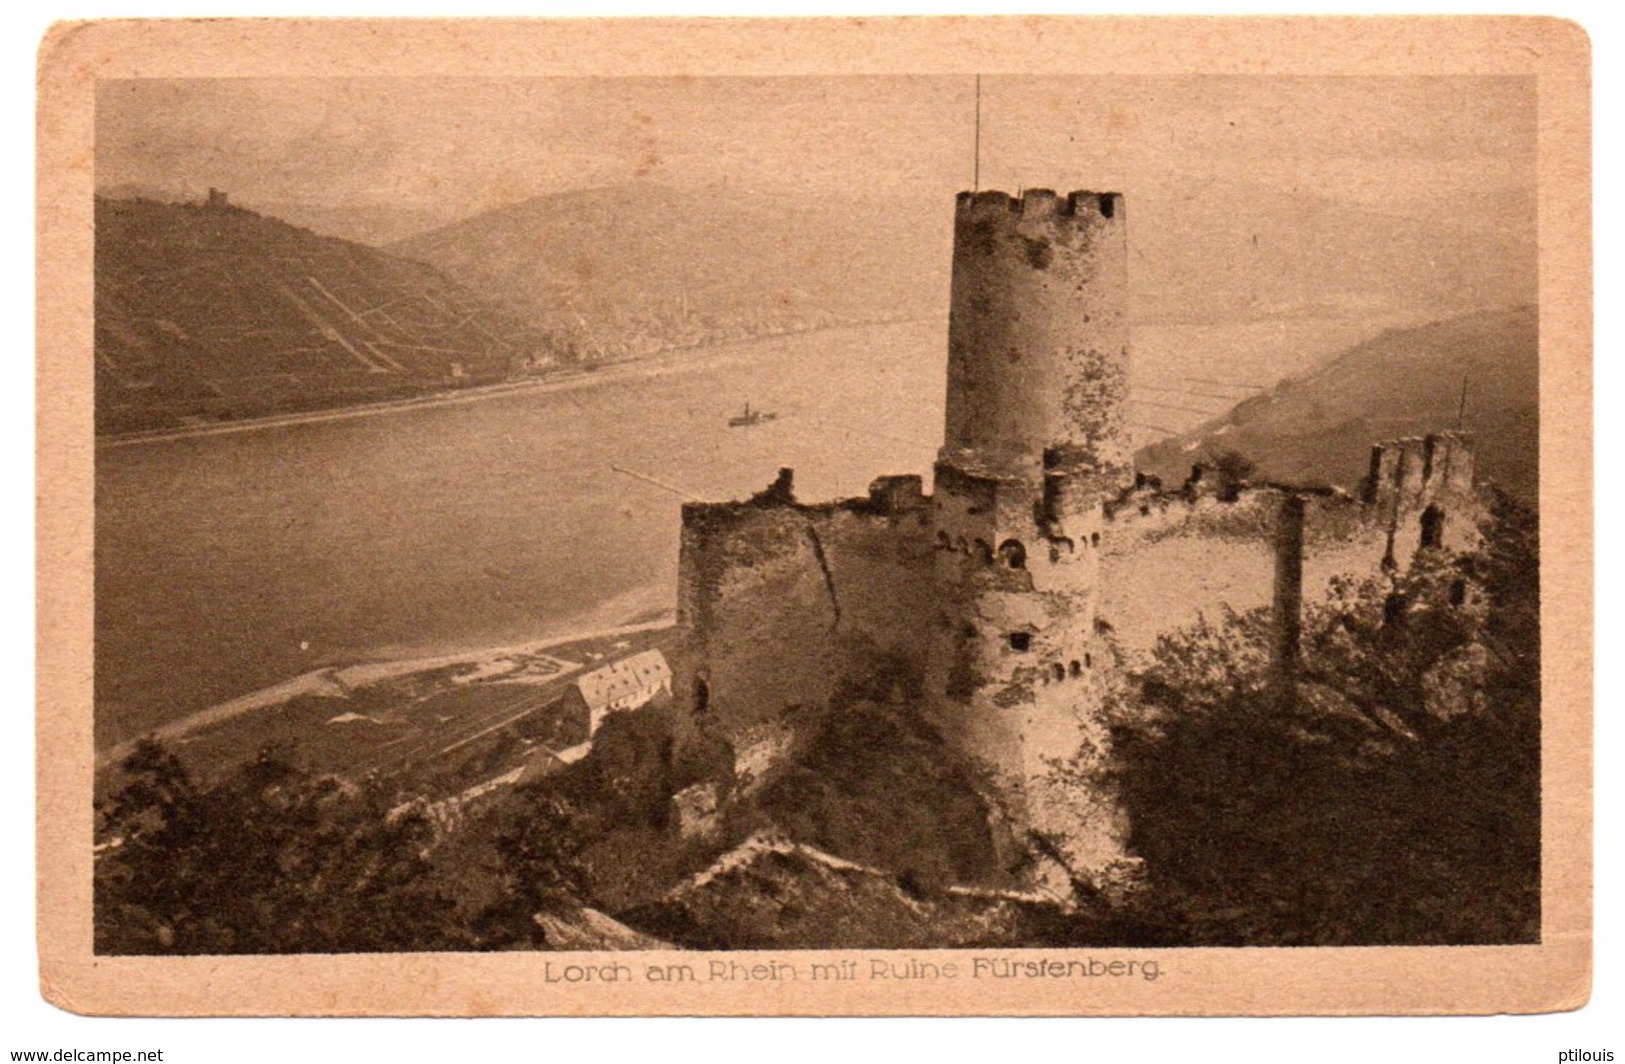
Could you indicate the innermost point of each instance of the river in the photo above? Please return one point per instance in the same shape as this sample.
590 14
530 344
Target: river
229 562
225 563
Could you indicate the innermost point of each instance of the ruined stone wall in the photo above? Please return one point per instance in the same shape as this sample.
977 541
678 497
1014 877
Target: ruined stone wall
1169 559
1421 489
1014 678
1001 599
779 602
1007 632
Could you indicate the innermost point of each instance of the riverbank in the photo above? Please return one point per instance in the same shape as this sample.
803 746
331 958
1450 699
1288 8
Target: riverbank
512 664
229 564
669 361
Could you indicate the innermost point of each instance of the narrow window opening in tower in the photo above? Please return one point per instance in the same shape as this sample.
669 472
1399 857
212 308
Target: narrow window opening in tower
1433 527
702 696
1107 206
1458 592
1021 641
1075 668
1059 670
1088 661
1013 554
1094 539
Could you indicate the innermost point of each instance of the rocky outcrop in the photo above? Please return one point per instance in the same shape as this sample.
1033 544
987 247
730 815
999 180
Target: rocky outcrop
588 929
771 892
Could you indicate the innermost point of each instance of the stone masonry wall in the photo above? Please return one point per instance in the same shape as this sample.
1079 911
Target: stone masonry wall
777 600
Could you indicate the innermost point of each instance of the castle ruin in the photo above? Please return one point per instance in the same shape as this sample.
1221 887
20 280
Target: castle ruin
1004 598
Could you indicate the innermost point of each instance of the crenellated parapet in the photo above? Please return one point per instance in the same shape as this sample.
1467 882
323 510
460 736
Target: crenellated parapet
898 495
1421 490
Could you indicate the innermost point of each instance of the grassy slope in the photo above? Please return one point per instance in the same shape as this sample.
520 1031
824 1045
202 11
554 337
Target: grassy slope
223 313
1320 427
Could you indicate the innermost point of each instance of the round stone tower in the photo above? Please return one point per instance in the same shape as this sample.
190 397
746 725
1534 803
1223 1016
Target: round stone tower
1035 443
1038 334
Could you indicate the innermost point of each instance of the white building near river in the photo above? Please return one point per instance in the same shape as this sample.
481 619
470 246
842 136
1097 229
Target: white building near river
619 686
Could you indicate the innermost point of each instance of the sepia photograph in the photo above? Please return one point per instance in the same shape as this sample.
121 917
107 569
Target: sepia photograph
1040 521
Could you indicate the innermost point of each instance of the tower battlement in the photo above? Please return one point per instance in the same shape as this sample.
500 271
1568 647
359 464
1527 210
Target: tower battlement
1039 203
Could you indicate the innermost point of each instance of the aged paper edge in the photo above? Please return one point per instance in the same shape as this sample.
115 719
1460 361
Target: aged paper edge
1552 976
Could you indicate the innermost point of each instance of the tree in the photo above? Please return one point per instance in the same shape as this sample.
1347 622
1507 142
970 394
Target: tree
1233 469
268 860
535 838
1398 802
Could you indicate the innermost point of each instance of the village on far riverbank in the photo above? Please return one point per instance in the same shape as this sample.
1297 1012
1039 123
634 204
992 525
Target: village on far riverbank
586 375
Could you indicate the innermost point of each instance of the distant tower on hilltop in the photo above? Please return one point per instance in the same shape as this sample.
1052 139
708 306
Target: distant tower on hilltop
1035 443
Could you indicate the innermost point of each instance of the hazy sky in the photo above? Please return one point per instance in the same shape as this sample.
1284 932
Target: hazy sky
1407 144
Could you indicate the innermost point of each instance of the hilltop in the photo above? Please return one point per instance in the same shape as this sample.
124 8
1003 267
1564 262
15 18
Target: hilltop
618 272
627 270
1319 427
211 313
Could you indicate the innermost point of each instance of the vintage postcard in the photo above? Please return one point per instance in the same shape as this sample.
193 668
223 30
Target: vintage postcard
1049 516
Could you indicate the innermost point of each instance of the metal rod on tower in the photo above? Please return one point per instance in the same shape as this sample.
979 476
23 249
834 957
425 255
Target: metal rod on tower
976 165
1461 407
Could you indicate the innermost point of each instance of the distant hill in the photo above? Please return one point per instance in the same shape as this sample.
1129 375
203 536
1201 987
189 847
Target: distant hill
628 270
1318 428
1259 284
1255 255
213 313
375 225
130 190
